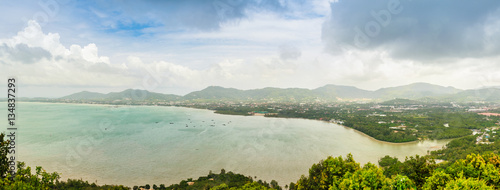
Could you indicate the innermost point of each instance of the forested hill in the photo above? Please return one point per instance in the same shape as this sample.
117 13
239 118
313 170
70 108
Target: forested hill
327 93
130 94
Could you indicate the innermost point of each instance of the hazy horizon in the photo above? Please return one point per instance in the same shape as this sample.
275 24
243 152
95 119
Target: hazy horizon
107 91
59 47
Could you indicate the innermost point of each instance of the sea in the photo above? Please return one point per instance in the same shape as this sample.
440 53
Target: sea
138 145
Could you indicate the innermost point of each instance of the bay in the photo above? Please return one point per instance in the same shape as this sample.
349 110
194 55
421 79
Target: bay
137 145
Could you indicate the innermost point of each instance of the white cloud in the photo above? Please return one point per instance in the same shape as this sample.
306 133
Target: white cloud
47 62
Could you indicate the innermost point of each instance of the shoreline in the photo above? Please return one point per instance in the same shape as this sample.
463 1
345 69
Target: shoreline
214 111
364 134
355 130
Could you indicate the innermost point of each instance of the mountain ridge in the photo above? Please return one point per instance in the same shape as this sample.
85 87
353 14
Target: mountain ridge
329 92
128 94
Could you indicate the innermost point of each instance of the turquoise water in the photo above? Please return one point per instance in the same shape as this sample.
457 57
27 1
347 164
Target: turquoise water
135 145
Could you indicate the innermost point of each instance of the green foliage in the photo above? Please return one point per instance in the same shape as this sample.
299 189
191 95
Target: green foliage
400 182
460 148
418 168
387 161
370 177
437 181
4 161
391 165
80 184
24 179
480 167
224 180
474 172
233 112
467 184
253 186
328 173
337 173
220 187
274 184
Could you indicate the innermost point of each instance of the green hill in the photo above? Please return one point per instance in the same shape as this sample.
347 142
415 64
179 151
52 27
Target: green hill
129 94
84 95
485 94
330 93
414 91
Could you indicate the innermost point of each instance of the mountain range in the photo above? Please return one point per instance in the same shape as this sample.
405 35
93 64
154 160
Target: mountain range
413 91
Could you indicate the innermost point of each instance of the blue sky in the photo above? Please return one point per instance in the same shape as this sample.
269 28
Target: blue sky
58 47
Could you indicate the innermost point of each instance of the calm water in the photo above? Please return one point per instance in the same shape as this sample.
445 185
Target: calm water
135 145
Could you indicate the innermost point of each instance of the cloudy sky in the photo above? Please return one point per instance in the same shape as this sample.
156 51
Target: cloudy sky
58 47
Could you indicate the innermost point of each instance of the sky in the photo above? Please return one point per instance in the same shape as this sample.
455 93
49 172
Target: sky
59 47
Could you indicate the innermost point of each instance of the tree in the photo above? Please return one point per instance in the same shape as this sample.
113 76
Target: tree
469 184
4 161
328 173
476 166
402 182
387 161
220 187
437 181
391 165
418 168
25 179
253 186
370 177
274 184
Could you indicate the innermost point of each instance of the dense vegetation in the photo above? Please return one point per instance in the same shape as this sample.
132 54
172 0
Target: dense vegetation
392 121
419 172
461 147
220 181
467 165
411 125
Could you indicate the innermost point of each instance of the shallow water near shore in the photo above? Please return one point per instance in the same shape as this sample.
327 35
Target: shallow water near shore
137 145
